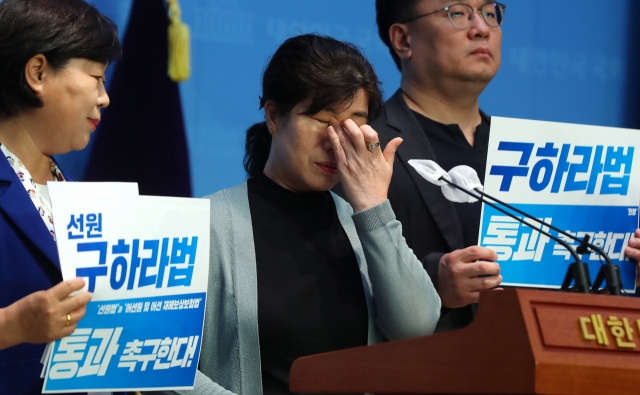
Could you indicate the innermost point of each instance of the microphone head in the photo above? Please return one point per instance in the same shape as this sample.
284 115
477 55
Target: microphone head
430 171
466 177
463 176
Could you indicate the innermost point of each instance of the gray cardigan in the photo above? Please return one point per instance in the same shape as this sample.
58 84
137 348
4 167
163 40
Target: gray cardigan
401 299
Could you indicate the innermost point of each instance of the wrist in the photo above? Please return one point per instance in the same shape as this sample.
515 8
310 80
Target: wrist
358 208
366 202
8 334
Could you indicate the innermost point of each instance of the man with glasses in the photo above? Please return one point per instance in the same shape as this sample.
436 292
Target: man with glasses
447 52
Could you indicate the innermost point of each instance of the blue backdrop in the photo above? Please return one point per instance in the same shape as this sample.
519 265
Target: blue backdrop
568 61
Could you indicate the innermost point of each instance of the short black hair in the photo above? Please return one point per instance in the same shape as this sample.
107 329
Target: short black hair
58 29
389 12
328 71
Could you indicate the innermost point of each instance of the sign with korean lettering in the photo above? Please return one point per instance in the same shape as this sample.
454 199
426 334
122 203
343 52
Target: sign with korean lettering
585 180
146 261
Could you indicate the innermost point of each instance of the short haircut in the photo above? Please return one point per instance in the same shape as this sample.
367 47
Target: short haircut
58 29
389 12
328 71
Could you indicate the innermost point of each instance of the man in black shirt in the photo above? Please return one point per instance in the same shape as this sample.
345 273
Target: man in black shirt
447 53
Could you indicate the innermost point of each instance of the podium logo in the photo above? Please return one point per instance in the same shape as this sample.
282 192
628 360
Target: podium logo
555 168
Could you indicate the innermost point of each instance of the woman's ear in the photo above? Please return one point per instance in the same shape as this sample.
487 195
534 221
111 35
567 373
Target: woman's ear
34 72
271 116
400 40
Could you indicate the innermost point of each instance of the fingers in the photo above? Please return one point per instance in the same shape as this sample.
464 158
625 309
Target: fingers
390 150
460 277
357 136
635 239
42 317
336 144
64 332
475 253
68 319
68 309
632 252
353 137
460 292
345 140
62 290
65 324
633 249
482 268
369 135
75 302
67 330
482 283
75 316
474 274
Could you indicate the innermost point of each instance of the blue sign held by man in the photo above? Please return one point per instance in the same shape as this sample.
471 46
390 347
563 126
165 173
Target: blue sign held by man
568 176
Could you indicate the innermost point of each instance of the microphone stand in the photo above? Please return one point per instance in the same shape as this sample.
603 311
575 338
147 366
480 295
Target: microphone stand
608 272
577 271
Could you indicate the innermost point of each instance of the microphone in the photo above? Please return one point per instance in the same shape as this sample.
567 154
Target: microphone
464 179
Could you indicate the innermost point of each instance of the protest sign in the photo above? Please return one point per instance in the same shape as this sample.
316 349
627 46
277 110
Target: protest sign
145 259
578 178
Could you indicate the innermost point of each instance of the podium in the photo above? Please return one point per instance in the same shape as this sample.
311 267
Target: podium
521 342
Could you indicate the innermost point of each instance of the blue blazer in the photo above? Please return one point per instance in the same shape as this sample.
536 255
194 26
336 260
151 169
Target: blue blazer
28 263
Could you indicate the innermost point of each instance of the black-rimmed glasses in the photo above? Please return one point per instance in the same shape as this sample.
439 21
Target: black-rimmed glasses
461 14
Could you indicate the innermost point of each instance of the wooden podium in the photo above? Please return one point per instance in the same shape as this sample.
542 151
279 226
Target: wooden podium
521 342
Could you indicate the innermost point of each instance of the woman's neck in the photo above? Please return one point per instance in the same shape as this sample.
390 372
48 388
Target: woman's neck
14 135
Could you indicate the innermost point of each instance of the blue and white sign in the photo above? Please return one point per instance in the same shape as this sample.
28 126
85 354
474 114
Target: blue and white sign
582 179
146 261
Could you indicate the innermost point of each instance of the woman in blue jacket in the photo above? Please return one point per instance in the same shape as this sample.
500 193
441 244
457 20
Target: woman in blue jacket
53 55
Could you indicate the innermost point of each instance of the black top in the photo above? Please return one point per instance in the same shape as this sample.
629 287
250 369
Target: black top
452 149
310 293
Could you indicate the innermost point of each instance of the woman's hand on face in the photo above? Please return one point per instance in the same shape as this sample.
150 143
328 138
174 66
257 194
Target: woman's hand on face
44 316
365 173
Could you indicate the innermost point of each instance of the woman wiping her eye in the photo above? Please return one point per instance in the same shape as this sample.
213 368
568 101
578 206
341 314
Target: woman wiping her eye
295 270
